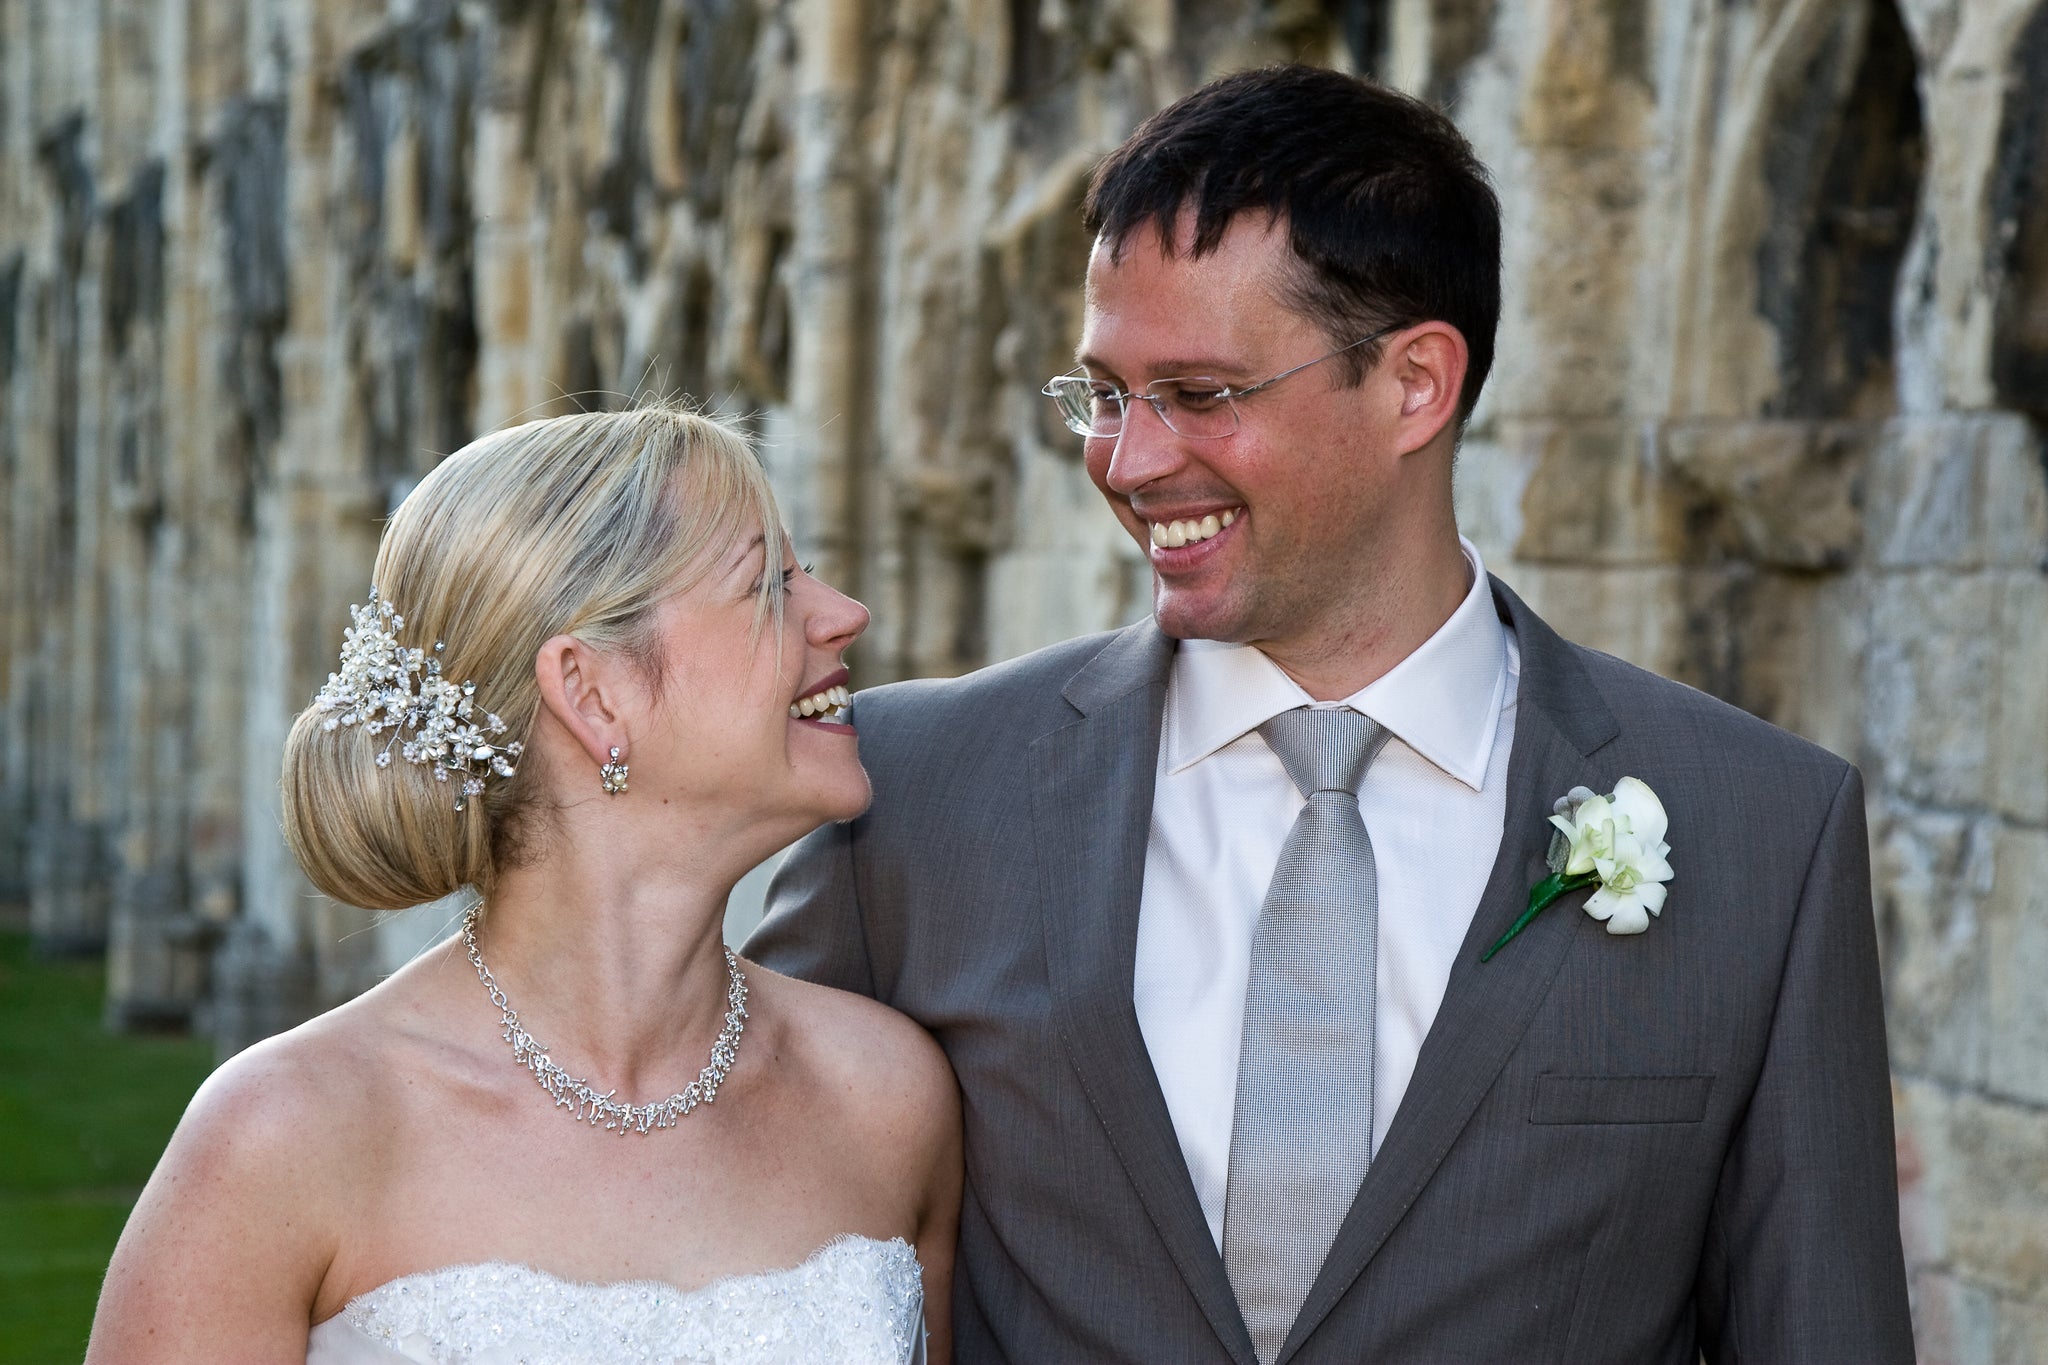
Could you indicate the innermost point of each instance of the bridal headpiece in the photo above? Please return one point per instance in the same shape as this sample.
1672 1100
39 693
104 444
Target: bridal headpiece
436 724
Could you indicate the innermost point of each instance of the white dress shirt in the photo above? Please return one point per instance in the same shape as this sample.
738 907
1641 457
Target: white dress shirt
1433 803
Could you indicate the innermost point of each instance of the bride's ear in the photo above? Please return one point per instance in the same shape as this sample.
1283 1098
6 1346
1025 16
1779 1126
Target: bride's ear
583 690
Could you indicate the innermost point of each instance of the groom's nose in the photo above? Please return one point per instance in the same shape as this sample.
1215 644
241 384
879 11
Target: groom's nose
1143 450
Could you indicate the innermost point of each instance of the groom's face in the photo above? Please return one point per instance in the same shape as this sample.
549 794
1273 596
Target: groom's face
1303 481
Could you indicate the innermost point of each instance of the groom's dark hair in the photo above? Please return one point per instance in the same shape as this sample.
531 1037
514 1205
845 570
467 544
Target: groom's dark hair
1388 210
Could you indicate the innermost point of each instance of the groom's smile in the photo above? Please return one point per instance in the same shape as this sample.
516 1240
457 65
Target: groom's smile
1191 530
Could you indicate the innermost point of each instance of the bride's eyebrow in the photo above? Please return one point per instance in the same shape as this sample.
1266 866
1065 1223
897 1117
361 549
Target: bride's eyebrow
740 556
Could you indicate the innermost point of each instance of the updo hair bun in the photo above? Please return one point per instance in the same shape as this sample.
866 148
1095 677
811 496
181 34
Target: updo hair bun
379 838
575 525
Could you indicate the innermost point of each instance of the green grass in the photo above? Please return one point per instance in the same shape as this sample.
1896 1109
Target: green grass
83 1118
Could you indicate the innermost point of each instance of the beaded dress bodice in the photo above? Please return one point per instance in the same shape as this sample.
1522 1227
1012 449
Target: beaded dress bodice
857 1301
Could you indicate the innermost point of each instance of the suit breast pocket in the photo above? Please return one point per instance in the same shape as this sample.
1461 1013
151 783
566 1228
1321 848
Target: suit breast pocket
1620 1099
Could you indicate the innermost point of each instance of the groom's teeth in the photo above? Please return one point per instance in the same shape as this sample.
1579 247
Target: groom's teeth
820 703
1171 535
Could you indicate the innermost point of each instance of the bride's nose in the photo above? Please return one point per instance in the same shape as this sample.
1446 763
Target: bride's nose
838 622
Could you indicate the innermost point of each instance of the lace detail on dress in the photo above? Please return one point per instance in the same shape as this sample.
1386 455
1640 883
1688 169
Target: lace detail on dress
855 1300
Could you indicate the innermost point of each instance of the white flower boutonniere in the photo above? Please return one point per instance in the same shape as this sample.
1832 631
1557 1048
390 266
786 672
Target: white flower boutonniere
1615 842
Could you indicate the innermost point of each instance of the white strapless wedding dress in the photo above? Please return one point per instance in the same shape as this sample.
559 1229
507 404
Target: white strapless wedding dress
857 1301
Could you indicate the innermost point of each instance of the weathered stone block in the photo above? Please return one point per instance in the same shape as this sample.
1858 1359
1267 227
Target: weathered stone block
1589 86
1099 587
1790 494
1928 679
1791 650
258 989
69 889
1954 1322
1960 493
403 936
1572 255
2015 914
1932 874
2015 493
1958 1322
504 287
1635 614
2022 1330
1492 478
1976 1169
157 967
2019 711
1786 647
1596 495
346 956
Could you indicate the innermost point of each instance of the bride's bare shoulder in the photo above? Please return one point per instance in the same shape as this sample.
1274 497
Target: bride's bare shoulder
290 1103
313 1107
860 1057
233 1235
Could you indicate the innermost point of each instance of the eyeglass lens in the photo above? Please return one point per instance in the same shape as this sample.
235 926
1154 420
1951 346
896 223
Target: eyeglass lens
1196 408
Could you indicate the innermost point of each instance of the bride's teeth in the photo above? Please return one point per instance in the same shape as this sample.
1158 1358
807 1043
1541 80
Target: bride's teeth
819 703
1229 517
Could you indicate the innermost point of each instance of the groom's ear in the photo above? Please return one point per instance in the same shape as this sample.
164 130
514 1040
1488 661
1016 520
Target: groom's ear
583 690
1428 362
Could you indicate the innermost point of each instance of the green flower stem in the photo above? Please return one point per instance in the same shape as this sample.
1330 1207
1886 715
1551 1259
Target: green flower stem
1541 895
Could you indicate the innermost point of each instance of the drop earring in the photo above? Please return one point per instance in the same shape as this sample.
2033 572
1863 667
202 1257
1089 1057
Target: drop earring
613 774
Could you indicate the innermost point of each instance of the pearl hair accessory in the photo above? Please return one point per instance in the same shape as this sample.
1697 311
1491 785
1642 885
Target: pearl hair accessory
383 685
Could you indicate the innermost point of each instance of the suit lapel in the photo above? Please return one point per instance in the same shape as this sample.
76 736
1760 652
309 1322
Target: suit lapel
1560 722
1092 811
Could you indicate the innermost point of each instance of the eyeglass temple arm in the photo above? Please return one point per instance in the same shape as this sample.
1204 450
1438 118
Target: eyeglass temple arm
1268 383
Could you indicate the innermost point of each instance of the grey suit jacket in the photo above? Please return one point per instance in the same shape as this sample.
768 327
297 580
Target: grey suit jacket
1614 1148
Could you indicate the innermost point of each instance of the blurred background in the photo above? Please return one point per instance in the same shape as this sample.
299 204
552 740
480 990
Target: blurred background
1766 419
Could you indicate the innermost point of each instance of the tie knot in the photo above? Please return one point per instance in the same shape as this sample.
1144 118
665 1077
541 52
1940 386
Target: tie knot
1325 751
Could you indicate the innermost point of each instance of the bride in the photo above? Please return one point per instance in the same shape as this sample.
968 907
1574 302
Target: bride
592 684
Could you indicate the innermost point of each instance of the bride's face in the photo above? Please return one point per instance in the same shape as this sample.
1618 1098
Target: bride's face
729 724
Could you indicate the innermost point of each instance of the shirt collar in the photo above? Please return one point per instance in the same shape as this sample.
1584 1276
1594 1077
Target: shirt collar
1443 700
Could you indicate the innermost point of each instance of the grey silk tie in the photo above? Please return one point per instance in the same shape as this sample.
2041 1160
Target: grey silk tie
1301 1138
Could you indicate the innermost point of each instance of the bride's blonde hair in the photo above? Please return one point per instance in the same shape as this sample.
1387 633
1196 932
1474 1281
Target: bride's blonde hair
569 526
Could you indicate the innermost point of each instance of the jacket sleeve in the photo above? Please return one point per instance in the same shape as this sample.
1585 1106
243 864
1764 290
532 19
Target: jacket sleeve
1802 1259
813 927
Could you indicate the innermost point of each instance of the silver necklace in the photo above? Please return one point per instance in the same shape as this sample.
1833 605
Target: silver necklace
599 1109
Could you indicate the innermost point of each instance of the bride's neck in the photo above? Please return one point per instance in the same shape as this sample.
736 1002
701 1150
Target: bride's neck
615 961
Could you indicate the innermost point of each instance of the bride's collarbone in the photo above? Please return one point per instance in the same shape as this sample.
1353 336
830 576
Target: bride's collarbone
734 1188
466 1159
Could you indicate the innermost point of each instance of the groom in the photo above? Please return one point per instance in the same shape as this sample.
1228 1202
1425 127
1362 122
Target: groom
1198 908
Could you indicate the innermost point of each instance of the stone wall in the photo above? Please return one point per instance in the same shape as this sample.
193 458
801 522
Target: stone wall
1765 419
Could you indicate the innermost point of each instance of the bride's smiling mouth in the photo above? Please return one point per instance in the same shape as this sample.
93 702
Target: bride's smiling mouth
823 702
